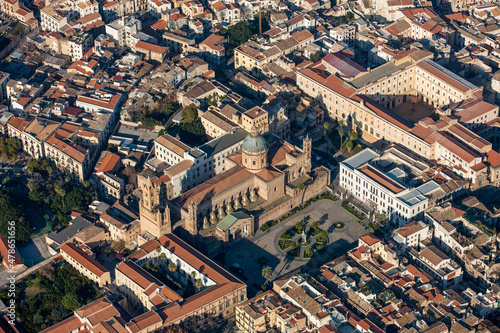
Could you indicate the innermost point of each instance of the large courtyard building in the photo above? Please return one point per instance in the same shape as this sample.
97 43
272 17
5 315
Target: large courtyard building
412 101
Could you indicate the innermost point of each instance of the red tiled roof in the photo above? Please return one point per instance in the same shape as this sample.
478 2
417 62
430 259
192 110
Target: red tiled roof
84 259
330 81
369 239
151 47
109 163
11 259
226 283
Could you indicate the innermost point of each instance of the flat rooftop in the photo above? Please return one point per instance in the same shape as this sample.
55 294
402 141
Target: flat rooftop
140 134
381 72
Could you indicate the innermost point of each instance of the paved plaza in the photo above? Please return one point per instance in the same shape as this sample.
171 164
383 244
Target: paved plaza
265 244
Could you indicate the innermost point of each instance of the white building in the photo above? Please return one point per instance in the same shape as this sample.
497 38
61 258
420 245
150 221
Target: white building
99 101
365 177
344 33
411 234
193 166
123 29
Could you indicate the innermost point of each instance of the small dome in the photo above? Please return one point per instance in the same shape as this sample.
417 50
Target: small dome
254 142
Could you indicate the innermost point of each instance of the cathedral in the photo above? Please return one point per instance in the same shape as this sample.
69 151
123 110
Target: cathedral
262 181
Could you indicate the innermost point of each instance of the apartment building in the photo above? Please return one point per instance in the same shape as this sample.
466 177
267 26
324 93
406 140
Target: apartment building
9 7
435 262
192 8
121 222
4 78
344 33
99 101
76 45
52 19
68 156
113 10
301 294
85 264
34 135
178 44
212 50
151 51
122 30
268 310
411 234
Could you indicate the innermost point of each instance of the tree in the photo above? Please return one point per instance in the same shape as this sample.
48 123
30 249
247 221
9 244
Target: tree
198 284
38 193
118 246
172 267
70 301
326 125
190 113
163 256
86 184
301 187
349 145
6 181
38 318
62 192
56 315
267 272
349 16
11 215
193 274
191 132
9 148
341 134
315 57
353 135
239 33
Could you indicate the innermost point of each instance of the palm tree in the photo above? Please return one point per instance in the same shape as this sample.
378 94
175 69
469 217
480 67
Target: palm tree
353 135
301 187
163 256
172 267
198 284
267 273
62 192
341 134
193 275
349 145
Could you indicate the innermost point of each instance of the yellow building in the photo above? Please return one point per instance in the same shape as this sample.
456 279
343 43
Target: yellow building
85 264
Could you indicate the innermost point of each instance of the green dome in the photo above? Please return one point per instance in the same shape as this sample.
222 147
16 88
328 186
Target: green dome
254 142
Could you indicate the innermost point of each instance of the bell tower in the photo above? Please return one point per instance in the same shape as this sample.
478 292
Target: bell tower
191 224
153 210
307 146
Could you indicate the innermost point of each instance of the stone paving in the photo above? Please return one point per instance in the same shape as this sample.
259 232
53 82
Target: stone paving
265 244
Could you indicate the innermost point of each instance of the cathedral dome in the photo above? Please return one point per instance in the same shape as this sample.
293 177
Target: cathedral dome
254 143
